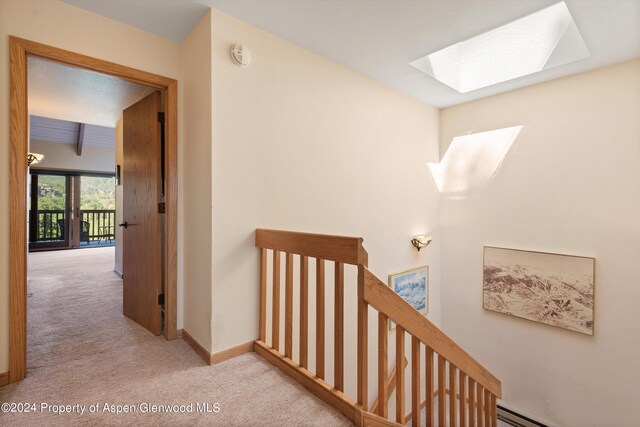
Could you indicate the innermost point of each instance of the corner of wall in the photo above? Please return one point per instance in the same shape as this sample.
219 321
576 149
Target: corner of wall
196 194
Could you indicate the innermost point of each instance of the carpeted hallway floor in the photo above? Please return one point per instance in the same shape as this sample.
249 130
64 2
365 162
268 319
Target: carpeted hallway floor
83 351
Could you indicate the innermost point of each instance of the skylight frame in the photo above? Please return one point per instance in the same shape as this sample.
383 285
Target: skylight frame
541 40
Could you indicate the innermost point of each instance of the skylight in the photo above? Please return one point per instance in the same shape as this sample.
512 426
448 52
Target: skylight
471 161
545 39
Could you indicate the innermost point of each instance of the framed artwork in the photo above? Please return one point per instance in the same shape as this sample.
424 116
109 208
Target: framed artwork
413 286
553 289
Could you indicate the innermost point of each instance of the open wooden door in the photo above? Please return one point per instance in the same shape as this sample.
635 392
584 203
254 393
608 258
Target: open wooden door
142 194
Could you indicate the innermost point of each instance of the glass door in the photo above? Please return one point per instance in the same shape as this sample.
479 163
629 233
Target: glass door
97 210
71 209
49 212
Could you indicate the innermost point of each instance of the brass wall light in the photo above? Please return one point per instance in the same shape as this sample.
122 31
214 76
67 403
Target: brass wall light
421 241
34 158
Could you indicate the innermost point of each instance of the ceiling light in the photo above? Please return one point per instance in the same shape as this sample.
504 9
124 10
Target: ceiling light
542 40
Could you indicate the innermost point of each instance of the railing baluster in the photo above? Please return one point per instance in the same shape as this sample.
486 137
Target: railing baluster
463 398
263 295
363 345
288 307
428 368
487 408
383 345
453 399
399 374
442 389
480 407
304 311
275 316
472 402
494 411
320 318
415 381
339 326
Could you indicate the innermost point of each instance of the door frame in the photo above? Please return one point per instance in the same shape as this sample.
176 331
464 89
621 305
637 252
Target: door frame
20 49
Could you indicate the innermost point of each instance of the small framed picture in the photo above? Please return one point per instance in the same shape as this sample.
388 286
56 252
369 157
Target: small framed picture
118 175
413 286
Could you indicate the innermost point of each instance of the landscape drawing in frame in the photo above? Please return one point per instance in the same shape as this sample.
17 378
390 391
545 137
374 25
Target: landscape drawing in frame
553 289
413 286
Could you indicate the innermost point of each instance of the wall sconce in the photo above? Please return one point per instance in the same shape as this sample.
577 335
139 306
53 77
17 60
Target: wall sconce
421 241
34 158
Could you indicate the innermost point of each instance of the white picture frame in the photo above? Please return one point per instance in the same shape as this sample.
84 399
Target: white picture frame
413 286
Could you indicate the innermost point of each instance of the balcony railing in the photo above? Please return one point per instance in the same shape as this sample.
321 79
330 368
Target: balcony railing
96 225
101 225
48 225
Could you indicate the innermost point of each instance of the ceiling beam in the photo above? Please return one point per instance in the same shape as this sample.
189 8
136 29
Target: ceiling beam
80 139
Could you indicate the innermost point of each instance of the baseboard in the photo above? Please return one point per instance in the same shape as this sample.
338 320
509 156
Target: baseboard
4 378
118 272
219 356
333 397
196 346
230 353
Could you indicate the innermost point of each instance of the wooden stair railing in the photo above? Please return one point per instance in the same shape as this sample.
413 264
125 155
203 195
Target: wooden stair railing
456 370
390 385
471 390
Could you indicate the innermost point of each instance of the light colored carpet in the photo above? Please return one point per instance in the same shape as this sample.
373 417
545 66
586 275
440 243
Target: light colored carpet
82 350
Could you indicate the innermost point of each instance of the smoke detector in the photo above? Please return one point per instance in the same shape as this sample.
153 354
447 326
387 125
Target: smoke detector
241 55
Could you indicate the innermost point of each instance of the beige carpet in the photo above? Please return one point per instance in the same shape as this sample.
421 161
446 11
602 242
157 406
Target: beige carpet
83 351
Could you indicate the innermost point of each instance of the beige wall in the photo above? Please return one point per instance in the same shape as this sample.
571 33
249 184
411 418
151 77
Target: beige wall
571 184
301 143
63 156
196 60
61 25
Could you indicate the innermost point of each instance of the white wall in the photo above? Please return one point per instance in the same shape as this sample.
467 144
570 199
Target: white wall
571 185
64 26
63 156
196 60
301 143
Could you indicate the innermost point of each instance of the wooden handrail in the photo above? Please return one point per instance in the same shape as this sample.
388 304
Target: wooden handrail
383 299
449 372
348 250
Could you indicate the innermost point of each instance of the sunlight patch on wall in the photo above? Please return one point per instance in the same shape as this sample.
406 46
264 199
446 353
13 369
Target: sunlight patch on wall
471 161
539 41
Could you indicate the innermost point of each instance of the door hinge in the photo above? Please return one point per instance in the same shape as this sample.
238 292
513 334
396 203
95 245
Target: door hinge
162 207
161 299
161 117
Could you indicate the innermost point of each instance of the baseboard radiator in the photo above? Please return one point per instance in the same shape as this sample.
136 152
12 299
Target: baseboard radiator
515 419
459 390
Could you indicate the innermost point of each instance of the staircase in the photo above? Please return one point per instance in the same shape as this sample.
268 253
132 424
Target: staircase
459 391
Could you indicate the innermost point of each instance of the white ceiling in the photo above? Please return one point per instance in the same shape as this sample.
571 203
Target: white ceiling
73 94
172 19
64 132
380 38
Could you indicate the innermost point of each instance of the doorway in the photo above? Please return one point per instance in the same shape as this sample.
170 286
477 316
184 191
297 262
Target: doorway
20 51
